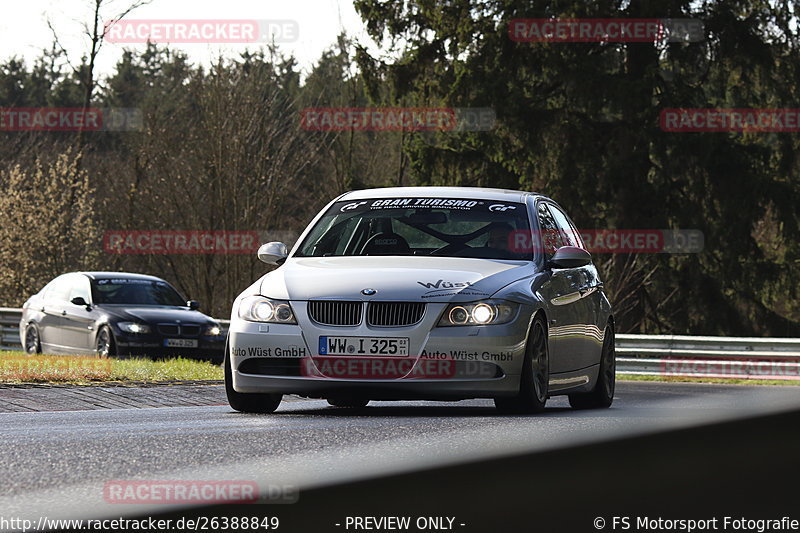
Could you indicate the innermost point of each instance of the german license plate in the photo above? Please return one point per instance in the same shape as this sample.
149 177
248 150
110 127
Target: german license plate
180 343
388 346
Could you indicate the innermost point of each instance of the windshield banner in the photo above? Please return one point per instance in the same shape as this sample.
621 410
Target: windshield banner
360 206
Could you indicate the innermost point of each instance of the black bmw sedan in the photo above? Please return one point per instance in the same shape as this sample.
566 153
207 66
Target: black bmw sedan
117 314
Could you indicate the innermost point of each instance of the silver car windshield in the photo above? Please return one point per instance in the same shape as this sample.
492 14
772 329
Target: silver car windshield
446 227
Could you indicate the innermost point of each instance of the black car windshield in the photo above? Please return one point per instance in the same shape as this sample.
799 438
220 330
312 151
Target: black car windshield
135 292
446 227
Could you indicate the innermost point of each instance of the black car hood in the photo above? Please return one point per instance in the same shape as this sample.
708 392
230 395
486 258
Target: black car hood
154 315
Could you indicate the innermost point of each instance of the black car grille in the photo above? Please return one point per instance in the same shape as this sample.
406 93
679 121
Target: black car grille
331 313
390 314
190 330
185 330
168 329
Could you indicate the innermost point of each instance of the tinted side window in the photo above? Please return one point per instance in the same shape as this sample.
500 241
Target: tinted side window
569 235
80 287
550 236
60 289
46 289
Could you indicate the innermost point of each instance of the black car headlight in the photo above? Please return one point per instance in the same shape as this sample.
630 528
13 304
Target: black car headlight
481 313
133 327
261 309
212 331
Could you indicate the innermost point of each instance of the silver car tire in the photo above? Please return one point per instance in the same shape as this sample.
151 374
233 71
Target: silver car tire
535 376
247 402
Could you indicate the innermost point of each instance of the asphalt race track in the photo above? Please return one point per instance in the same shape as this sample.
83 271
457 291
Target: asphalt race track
56 464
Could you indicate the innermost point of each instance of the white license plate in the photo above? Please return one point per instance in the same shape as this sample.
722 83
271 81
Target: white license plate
387 346
180 343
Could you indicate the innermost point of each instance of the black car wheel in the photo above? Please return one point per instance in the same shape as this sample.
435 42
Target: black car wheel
32 343
248 402
535 378
104 344
603 393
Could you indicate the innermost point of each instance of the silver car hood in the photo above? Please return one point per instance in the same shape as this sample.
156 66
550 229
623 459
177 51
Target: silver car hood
393 278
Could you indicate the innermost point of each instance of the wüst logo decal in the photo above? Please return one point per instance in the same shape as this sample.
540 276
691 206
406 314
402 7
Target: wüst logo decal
442 284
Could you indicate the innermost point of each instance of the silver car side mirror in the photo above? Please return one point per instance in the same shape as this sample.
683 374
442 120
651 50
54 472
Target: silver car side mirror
570 257
273 253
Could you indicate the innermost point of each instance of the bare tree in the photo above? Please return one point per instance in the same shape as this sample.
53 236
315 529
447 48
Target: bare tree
228 153
95 30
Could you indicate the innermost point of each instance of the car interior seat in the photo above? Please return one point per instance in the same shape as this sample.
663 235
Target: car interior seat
386 244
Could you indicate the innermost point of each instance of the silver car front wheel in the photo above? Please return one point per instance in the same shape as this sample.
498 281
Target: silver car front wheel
535 377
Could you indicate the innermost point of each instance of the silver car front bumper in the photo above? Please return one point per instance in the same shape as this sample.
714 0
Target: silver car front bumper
466 362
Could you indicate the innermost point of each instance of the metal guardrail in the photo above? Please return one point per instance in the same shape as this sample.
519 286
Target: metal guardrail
709 357
9 328
684 345
657 355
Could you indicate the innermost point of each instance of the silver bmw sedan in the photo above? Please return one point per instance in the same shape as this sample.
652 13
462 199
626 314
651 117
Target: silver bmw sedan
427 293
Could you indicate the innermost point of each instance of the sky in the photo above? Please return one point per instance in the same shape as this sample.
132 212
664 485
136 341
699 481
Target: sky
24 28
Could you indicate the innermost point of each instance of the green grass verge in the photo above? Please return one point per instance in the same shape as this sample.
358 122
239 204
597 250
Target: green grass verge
723 381
18 367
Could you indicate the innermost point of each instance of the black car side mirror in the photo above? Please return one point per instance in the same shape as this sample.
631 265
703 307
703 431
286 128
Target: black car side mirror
570 257
194 305
79 300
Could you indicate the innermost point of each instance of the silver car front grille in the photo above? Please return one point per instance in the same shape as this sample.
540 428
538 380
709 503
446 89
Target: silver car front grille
379 314
333 313
394 314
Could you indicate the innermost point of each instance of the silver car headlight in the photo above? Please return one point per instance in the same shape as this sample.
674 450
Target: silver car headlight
481 313
133 327
261 309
